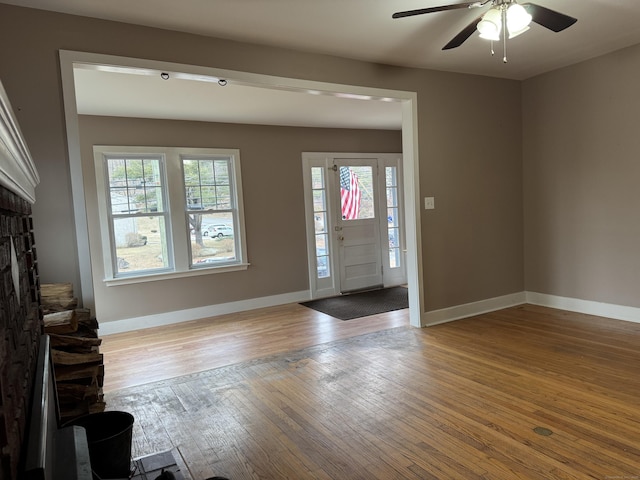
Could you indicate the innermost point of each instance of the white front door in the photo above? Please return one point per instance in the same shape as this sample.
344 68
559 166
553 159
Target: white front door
357 224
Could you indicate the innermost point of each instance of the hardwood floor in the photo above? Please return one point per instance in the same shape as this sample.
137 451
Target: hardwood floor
461 400
144 356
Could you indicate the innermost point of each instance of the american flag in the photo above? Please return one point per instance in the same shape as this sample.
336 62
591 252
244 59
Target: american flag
349 194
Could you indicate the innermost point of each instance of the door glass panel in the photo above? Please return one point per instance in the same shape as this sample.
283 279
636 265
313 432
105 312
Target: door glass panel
356 193
318 185
393 225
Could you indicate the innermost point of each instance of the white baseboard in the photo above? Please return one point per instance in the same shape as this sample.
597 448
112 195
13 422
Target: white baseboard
450 314
435 317
609 310
168 318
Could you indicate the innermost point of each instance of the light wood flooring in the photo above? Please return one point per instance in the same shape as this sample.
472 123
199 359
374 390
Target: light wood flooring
144 356
522 393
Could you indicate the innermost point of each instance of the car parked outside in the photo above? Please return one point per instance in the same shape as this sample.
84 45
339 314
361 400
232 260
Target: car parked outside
217 231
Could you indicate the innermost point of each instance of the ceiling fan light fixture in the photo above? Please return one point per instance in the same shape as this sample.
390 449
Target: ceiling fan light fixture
506 16
518 20
490 25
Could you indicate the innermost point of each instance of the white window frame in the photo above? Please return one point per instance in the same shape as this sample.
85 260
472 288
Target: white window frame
179 246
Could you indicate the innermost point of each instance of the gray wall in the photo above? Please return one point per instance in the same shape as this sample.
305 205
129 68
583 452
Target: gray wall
470 148
271 159
581 171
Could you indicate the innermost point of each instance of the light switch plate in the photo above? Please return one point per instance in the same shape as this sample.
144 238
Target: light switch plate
429 203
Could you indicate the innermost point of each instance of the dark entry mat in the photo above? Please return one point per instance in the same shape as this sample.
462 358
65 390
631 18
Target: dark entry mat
363 304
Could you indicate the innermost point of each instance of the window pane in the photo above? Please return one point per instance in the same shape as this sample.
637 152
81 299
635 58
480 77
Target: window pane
319 204
320 222
213 239
207 184
394 239
208 196
394 246
191 173
322 258
207 176
134 185
221 172
323 267
394 258
391 176
392 197
321 245
222 199
392 217
119 200
140 244
317 177
356 193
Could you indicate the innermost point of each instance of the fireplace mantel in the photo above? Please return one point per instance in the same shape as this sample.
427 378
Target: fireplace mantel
17 170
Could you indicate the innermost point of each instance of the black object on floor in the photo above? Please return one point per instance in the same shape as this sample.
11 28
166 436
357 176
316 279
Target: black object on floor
109 437
363 304
166 475
160 466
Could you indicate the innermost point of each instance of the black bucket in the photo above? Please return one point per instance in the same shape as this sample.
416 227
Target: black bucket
109 437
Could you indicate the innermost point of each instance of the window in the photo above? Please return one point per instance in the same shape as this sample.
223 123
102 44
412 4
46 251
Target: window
211 210
138 214
169 211
393 216
319 189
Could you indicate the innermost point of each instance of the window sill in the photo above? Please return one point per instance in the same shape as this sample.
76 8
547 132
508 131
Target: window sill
112 282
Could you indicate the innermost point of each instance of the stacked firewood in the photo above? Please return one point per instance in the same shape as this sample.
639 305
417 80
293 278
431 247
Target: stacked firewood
75 350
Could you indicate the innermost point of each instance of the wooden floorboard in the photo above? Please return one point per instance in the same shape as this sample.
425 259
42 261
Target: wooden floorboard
288 394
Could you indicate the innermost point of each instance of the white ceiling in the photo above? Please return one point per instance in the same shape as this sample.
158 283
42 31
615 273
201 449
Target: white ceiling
364 29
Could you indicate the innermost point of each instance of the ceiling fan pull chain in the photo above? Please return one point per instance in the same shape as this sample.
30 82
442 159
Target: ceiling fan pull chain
504 34
504 58
492 50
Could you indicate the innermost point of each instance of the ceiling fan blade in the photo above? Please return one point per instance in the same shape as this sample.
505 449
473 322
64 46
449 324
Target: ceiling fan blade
442 8
550 19
460 38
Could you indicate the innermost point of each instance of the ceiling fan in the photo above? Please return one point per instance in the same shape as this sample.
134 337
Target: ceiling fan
504 16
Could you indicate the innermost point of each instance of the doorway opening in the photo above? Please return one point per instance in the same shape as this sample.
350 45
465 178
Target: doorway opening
69 60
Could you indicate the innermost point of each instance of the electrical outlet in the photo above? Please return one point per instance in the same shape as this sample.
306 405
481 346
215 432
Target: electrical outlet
429 203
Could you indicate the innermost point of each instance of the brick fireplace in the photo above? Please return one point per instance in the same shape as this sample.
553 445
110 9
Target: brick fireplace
20 319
